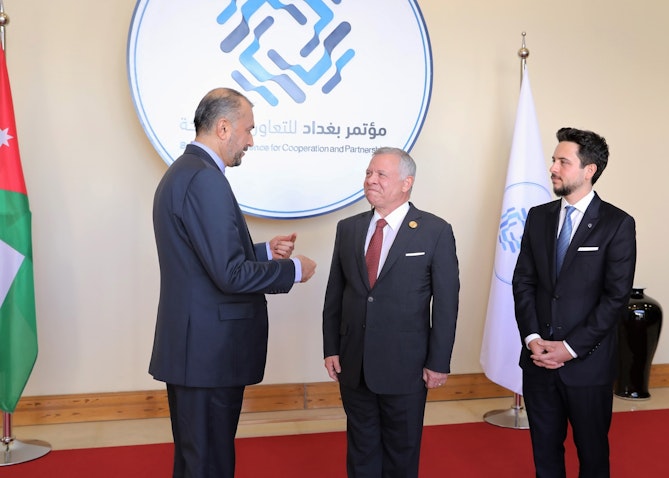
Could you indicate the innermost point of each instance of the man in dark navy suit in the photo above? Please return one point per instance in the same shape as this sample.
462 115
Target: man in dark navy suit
389 324
211 330
568 308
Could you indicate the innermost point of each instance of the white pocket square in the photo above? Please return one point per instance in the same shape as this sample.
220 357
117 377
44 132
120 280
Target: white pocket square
413 254
588 249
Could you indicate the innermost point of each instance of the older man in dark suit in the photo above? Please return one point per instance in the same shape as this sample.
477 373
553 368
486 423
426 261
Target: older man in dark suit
572 280
389 320
211 331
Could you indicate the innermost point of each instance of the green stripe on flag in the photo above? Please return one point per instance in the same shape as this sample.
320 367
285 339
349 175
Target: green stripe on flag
18 328
15 221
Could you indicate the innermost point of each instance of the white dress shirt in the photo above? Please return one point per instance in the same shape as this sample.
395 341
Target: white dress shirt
394 220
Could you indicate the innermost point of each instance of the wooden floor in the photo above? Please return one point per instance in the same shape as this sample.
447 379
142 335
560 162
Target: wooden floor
157 430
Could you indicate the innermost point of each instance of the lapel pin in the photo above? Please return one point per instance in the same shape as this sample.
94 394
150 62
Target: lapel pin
413 224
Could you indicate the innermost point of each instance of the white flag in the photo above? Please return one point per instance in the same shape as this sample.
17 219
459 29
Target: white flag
527 185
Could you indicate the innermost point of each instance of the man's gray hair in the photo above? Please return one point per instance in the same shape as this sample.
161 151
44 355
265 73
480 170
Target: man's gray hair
218 103
407 164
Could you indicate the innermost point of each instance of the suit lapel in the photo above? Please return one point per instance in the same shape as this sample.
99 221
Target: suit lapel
588 223
403 238
551 235
359 236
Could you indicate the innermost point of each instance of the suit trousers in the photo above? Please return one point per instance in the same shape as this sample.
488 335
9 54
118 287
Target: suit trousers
383 432
551 405
204 425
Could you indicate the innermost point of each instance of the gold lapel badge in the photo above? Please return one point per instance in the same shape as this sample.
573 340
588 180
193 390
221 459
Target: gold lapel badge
413 224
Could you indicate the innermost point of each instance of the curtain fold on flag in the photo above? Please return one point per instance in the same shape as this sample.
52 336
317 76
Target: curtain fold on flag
527 185
18 328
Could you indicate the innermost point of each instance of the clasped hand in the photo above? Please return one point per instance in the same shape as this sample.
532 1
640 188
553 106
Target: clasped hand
551 354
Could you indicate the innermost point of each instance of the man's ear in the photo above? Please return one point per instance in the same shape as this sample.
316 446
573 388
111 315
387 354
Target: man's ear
407 183
222 128
590 170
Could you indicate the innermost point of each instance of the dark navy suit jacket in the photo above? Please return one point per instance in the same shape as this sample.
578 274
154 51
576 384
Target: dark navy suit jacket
583 305
211 329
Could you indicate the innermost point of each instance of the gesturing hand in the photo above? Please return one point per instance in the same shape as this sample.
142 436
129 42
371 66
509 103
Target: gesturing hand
282 246
308 267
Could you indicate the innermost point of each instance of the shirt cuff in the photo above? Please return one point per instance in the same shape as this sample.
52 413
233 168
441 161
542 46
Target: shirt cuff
296 261
530 338
569 349
298 269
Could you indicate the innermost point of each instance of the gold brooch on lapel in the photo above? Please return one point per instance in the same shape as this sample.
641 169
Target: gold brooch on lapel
413 224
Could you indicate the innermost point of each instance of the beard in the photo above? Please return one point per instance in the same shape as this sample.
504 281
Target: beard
567 188
237 159
564 190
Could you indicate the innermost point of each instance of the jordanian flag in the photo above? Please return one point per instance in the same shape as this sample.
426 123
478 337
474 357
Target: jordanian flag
18 330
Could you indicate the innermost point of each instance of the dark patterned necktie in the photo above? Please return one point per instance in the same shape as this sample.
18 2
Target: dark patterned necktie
563 239
374 251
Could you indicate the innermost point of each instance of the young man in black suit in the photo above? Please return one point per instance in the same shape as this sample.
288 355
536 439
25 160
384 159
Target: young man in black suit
568 302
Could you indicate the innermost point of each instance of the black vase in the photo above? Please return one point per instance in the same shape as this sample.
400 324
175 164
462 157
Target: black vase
638 334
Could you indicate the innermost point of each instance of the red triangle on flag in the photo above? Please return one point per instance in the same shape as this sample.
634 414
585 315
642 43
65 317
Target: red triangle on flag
11 174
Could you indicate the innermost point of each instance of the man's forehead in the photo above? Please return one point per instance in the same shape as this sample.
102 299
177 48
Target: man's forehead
383 162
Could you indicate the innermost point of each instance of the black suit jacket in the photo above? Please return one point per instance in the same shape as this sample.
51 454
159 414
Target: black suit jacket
407 320
584 304
211 329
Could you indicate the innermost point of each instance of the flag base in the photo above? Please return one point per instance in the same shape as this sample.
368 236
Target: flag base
511 418
15 451
514 417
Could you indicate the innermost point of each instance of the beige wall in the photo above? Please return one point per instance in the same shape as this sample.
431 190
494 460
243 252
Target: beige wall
91 171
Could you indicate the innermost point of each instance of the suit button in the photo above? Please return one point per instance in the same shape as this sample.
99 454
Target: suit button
370 299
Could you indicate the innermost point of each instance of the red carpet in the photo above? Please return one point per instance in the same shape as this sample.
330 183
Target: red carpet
638 448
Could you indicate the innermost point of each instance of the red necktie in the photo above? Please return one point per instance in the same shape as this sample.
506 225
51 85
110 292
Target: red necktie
374 251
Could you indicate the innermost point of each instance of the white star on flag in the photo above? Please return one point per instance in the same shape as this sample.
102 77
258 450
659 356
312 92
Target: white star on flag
11 261
5 137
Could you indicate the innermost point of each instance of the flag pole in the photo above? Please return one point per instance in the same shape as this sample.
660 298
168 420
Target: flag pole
516 416
523 53
4 20
13 451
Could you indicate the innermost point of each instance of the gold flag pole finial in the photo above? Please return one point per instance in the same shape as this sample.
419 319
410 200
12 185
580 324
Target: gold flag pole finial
523 53
4 20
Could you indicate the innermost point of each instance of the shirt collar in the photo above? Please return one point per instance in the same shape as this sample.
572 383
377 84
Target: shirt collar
581 205
395 218
213 155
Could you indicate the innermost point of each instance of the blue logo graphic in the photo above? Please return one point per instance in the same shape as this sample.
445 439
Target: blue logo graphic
316 72
258 74
511 228
518 199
